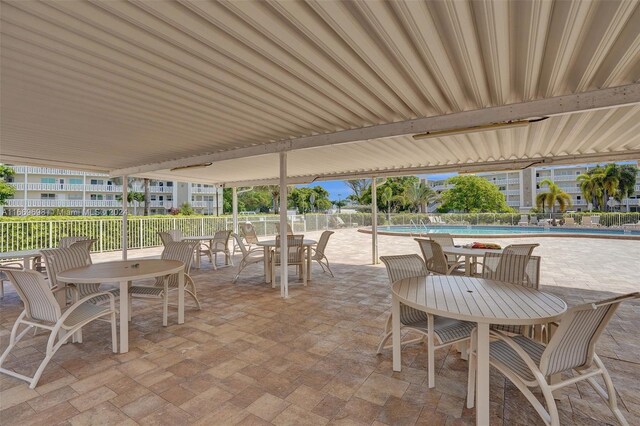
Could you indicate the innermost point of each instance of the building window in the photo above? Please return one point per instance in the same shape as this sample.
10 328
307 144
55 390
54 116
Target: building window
47 196
75 181
96 197
97 182
169 183
75 196
47 180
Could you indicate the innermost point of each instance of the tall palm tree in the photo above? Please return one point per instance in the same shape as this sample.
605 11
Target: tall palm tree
386 195
610 183
147 196
553 196
590 187
419 195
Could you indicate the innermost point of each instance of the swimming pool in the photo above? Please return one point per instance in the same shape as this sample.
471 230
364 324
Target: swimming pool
462 231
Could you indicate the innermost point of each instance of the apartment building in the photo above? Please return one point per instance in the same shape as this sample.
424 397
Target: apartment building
43 191
521 187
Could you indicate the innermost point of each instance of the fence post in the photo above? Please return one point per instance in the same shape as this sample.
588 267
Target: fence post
140 233
50 234
101 235
202 226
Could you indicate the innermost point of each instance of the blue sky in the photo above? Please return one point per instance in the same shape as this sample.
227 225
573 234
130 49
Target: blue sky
339 189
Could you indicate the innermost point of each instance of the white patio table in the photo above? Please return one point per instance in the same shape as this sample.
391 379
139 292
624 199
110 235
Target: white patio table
123 272
269 244
478 300
26 255
470 255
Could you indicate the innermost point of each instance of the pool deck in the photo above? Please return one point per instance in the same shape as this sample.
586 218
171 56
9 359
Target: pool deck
251 358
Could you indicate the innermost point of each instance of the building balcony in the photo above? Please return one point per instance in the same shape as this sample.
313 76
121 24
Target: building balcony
201 190
511 192
52 171
66 187
513 203
153 189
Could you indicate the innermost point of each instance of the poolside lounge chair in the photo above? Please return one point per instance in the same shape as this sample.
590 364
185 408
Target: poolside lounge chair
569 221
440 332
524 220
590 221
336 222
182 251
595 220
249 256
527 363
41 310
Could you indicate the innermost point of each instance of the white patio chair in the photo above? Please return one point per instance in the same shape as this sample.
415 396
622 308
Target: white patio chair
318 252
219 244
439 331
41 310
529 364
289 229
165 237
75 256
518 269
586 221
524 249
295 257
182 251
446 240
3 277
249 257
595 221
524 220
248 234
176 235
435 259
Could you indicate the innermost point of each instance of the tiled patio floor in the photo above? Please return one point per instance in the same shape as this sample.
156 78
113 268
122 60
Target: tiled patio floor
249 357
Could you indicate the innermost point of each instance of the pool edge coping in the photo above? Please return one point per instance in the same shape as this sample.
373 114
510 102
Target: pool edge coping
368 230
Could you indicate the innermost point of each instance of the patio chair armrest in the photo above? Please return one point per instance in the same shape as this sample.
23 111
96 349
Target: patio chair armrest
12 265
454 267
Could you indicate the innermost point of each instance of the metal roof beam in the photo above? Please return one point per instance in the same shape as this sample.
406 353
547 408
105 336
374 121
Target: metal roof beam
579 102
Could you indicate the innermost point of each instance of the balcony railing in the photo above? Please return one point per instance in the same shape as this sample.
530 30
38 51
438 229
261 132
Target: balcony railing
52 171
201 190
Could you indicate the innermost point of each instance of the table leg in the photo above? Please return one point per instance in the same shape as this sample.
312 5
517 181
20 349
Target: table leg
197 252
181 297
467 266
124 317
308 263
482 378
267 265
395 330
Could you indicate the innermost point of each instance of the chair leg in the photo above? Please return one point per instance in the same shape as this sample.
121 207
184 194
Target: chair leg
328 267
383 341
129 301
13 339
610 395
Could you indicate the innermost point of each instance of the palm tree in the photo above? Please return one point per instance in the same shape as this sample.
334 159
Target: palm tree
610 183
553 196
386 195
590 187
147 196
419 195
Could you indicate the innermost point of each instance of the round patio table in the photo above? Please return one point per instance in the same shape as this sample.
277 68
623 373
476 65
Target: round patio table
123 272
478 300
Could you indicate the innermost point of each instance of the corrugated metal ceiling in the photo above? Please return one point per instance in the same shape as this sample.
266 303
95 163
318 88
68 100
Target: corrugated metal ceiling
114 84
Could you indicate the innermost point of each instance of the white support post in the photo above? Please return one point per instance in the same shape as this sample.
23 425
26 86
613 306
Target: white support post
374 222
284 267
125 213
235 209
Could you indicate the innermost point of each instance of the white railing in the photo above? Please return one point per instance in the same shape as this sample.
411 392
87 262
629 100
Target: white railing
66 187
202 190
103 188
152 188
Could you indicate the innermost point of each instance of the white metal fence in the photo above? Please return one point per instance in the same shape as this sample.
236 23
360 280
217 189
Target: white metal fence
143 231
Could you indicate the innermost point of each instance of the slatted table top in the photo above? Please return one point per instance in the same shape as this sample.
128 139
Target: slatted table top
121 270
467 251
479 300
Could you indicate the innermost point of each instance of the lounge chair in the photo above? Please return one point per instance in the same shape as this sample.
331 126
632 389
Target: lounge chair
182 251
524 220
595 220
528 363
445 331
569 221
41 310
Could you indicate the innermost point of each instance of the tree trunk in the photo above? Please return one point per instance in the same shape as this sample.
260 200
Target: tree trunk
147 197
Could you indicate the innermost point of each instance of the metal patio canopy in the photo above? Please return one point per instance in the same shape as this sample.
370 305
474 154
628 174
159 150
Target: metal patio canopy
140 88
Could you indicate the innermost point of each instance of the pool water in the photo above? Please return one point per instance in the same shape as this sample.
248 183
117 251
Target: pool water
503 230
